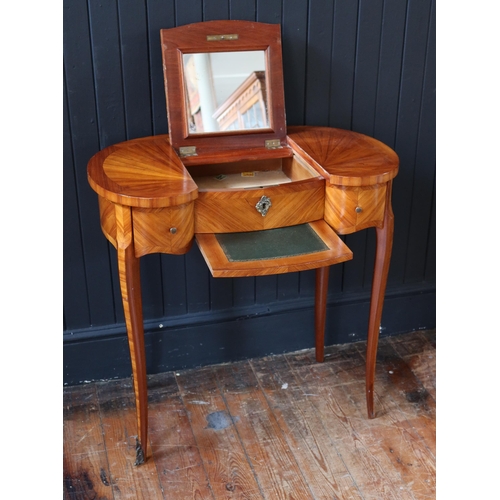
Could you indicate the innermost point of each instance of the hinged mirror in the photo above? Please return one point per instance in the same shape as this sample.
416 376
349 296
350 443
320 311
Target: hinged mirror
224 86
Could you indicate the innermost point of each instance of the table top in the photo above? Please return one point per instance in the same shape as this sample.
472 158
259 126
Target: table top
147 172
349 158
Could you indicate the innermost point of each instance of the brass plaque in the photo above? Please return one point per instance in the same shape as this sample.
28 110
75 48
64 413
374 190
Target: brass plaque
218 38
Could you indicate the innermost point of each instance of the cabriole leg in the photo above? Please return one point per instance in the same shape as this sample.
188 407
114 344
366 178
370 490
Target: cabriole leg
130 285
380 272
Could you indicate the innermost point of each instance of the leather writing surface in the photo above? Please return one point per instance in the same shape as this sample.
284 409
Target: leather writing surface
271 243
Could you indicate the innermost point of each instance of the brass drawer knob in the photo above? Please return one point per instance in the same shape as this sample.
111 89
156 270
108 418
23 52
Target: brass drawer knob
358 210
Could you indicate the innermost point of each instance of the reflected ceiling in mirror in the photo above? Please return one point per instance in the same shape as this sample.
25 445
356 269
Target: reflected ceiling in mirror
225 91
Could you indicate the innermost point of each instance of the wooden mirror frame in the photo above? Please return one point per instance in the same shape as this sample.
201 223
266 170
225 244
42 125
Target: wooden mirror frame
192 38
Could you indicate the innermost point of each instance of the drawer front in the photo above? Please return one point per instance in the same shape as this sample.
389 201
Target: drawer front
235 210
350 209
163 230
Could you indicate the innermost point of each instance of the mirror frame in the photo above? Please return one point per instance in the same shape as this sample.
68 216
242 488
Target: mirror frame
198 38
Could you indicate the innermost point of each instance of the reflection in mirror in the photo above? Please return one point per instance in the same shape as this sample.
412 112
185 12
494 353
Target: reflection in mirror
225 91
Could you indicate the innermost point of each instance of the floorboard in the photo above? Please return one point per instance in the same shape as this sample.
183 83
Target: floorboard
281 427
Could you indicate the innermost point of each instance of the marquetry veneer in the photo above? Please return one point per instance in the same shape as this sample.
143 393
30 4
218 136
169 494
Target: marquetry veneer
313 181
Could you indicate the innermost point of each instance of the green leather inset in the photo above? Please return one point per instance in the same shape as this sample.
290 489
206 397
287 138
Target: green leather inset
271 243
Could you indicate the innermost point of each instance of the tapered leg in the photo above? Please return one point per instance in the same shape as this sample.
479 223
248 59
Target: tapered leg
320 310
130 285
381 269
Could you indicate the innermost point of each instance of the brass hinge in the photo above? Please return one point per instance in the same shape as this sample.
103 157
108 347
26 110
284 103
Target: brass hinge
187 151
219 38
273 144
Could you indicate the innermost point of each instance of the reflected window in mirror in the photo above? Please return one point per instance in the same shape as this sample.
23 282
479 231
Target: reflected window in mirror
225 91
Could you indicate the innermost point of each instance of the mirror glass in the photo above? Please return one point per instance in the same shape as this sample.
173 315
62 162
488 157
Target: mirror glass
225 91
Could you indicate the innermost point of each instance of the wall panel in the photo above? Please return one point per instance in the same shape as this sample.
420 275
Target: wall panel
76 305
160 14
408 124
423 182
84 134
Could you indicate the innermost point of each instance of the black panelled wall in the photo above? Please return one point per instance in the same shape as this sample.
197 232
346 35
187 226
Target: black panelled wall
363 65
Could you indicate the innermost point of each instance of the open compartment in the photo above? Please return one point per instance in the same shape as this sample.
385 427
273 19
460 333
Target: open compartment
251 174
256 195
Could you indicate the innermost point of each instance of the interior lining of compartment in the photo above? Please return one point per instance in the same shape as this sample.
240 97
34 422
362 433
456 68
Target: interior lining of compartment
250 174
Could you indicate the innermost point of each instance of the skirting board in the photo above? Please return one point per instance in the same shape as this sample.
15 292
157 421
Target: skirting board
227 339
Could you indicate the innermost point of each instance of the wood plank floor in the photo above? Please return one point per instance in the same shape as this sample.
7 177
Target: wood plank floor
282 427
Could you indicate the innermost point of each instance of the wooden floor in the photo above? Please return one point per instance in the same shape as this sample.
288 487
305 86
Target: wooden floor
274 428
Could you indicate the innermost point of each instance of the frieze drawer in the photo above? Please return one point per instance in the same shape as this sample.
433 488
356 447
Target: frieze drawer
349 209
256 195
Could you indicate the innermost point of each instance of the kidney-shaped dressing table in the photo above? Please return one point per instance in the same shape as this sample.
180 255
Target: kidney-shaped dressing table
258 199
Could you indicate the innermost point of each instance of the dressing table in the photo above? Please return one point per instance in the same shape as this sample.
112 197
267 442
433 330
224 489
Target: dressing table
257 197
